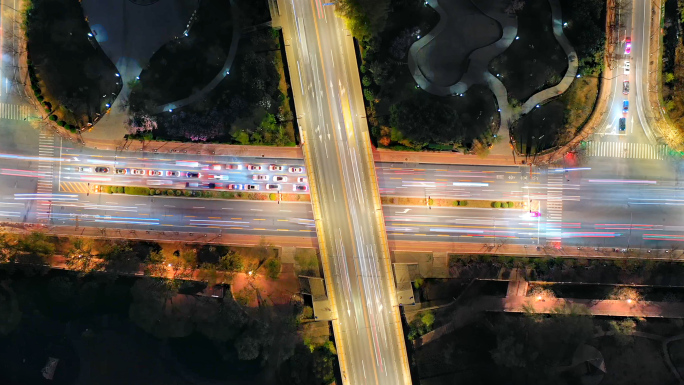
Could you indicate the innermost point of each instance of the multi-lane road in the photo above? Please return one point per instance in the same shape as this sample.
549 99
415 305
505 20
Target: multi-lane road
346 204
625 194
592 206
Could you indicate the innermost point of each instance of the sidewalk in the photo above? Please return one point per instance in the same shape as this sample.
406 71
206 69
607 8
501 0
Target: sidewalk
530 250
611 308
168 236
379 155
390 156
312 242
195 148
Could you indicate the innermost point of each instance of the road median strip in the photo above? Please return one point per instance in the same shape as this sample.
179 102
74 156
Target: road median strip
447 202
208 194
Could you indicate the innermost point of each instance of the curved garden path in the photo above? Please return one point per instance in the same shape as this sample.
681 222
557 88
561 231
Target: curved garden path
478 72
219 76
569 77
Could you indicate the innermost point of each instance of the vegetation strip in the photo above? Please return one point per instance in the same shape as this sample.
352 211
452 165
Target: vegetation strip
446 202
211 194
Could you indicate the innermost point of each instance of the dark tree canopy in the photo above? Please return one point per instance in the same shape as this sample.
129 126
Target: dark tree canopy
425 120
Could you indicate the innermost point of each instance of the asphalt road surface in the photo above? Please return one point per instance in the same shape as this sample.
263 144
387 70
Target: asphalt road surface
327 90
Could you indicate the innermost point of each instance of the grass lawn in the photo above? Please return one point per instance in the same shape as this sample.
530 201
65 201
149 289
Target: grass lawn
307 262
73 71
535 61
559 120
184 66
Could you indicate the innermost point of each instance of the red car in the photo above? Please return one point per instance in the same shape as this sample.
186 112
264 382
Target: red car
628 45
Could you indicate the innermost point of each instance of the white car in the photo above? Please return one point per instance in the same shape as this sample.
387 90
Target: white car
155 173
296 170
137 171
254 167
218 177
85 169
274 167
272 187
301 179
259 177
626 67
279 178
251 187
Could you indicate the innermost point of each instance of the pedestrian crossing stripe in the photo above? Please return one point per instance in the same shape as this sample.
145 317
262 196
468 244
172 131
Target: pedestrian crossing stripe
45 149
627 150
17 112
73 187
554 207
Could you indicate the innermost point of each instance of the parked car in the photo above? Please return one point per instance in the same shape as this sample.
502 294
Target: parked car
296 170
275 167
234 187
279 178
102 169
137 171
155 173
121 171
85 169
251 187
626 67
193 174
254 167
259 177
628 45
173 173
625 87
272 187
300 187
301 179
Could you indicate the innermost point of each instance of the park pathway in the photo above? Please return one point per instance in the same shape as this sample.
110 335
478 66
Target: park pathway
478 72
130 34
225 71
569 77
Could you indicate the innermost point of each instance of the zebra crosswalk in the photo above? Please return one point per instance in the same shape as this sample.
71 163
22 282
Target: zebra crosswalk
554 207
46 168
17 112
626 150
